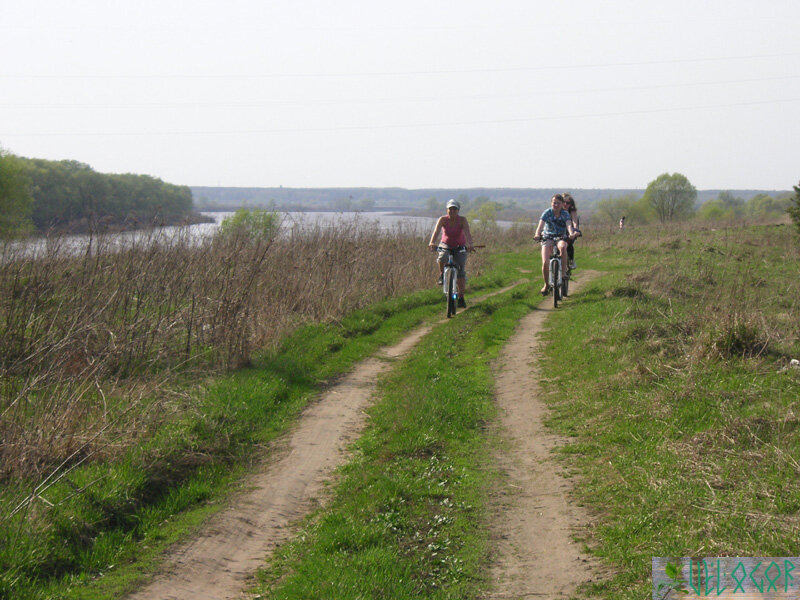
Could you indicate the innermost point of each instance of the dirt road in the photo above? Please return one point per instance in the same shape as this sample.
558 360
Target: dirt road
219 562
534 527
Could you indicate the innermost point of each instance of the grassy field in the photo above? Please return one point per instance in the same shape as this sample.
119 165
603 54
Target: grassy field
680 402
679 405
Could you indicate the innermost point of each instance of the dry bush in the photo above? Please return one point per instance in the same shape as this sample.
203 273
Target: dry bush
90 342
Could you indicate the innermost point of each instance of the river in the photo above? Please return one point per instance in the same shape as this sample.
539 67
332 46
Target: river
290 221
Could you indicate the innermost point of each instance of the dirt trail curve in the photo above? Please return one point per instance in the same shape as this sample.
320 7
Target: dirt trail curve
535 522
218 563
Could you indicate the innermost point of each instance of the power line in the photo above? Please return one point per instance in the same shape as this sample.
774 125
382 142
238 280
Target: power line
407 73
403 126
392 100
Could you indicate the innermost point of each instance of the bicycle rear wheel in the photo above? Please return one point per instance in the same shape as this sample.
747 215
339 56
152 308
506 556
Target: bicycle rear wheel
450 286
554 267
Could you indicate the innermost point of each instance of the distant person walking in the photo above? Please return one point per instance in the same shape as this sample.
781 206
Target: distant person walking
621 223
455 234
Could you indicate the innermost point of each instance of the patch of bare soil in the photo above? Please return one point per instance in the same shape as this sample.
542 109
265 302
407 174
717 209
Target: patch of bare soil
218 563
536 522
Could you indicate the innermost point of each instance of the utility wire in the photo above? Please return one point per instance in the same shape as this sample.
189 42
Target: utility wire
403 126
392 100
405 73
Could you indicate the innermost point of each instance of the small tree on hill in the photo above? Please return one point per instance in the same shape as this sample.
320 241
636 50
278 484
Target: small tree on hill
671 196
794 208
257 224
15 197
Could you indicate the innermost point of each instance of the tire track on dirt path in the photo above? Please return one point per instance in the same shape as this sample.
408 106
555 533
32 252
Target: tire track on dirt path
218 563
534 521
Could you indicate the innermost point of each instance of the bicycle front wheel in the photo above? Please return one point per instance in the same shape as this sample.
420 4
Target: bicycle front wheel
450 286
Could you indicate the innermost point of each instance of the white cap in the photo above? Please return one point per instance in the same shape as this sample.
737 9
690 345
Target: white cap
452 202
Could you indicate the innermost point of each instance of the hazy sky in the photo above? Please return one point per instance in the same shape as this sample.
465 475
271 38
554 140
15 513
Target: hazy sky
419 93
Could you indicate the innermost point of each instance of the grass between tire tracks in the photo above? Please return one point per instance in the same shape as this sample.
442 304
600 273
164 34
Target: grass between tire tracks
407 517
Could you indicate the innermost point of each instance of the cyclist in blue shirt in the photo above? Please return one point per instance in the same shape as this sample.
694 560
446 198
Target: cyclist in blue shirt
555 227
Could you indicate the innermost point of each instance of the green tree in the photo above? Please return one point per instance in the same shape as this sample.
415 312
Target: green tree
794 209
15 197
69 191
672 197
764 205
714 210
365 204
342 204
613 208
256 224
485 214
636 210
641 212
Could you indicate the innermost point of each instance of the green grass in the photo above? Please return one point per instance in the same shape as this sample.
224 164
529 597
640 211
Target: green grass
683 420
110 521
407 516
681 417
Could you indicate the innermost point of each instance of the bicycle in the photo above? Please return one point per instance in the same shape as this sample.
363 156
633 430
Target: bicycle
556 280
449 277
554 275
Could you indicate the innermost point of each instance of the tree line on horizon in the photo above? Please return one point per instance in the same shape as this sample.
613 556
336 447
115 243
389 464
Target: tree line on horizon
672 197
38 195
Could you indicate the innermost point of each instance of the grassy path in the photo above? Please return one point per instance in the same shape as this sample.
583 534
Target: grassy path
536 521
217 562
409 517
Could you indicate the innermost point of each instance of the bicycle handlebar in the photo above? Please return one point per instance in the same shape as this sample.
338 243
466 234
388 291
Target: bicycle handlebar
459 247
539 238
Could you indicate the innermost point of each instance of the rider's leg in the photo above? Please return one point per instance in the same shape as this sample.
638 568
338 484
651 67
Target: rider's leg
440 261
547 250
562 246
461 281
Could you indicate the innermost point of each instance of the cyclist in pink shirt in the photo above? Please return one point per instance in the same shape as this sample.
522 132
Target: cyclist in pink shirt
455 234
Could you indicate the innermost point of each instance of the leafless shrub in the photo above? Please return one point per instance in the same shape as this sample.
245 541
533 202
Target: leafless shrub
91 342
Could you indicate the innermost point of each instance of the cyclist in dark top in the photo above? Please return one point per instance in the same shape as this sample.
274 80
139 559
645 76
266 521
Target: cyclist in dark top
555 226
569 204
455 232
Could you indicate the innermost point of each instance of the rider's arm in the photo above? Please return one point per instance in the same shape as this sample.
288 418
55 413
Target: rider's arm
436 230
570 227
539 228
467 234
